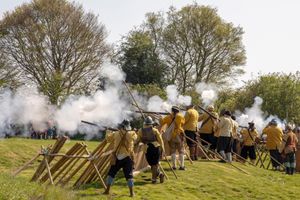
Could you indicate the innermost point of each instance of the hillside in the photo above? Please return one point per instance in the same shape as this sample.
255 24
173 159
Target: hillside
202 180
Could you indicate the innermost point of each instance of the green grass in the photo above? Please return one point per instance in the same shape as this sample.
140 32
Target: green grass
202 180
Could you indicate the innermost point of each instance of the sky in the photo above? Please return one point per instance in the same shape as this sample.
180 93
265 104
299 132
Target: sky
271 27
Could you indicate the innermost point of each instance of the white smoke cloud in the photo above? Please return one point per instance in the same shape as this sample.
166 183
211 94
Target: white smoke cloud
208 92
155 103
25 106
256 115
106 107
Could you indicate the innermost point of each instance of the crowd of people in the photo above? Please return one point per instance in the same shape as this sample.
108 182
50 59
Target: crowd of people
217 133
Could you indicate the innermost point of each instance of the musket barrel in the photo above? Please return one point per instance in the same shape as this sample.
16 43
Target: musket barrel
207 112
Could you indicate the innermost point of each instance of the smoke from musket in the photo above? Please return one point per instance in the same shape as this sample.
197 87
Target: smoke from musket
106 107
256 115
208 92
155 103
23 107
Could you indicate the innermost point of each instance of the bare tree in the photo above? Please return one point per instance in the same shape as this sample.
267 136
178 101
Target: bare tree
56 44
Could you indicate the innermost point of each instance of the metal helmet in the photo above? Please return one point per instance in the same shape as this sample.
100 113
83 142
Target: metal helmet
148 121
273 122
125 125
175 109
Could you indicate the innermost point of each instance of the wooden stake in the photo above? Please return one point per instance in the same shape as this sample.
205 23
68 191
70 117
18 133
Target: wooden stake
163 171
99 175
26 165
48 169
199 145
170 166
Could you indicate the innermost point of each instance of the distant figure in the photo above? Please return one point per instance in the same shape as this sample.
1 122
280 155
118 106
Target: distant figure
151 137
274 138
122 156
249 136
297 132
224 142
289 142
175 121
190 129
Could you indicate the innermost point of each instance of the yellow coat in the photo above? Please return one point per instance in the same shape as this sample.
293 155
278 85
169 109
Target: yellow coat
157 143
179 122
274 137
209 126
247 140
191 120
126 147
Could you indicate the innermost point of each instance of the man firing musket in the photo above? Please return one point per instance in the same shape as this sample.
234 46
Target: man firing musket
208 127
154 146
249 136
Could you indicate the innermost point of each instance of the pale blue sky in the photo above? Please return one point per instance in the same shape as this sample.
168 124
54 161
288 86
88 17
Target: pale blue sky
272 28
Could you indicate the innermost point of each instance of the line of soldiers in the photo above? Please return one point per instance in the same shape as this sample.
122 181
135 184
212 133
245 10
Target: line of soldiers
217 133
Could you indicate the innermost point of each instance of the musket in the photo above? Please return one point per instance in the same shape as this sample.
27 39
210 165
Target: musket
105 127
207 112
151 112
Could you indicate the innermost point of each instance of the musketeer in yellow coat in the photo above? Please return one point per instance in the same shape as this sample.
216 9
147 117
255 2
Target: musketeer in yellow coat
154 144
249 136
208 127
174 135
274 139
123 141
190 129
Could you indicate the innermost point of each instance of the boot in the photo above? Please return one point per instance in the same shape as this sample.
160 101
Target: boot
181 162
287 170
154 170
131 193
173 160
229 157
130 186
196 153
292 170
192 152
222 153
107 189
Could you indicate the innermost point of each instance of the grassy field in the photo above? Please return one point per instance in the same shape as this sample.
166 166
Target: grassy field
202 180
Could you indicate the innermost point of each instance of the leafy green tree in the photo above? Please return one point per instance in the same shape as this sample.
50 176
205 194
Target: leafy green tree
280 94
56 45
138 59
